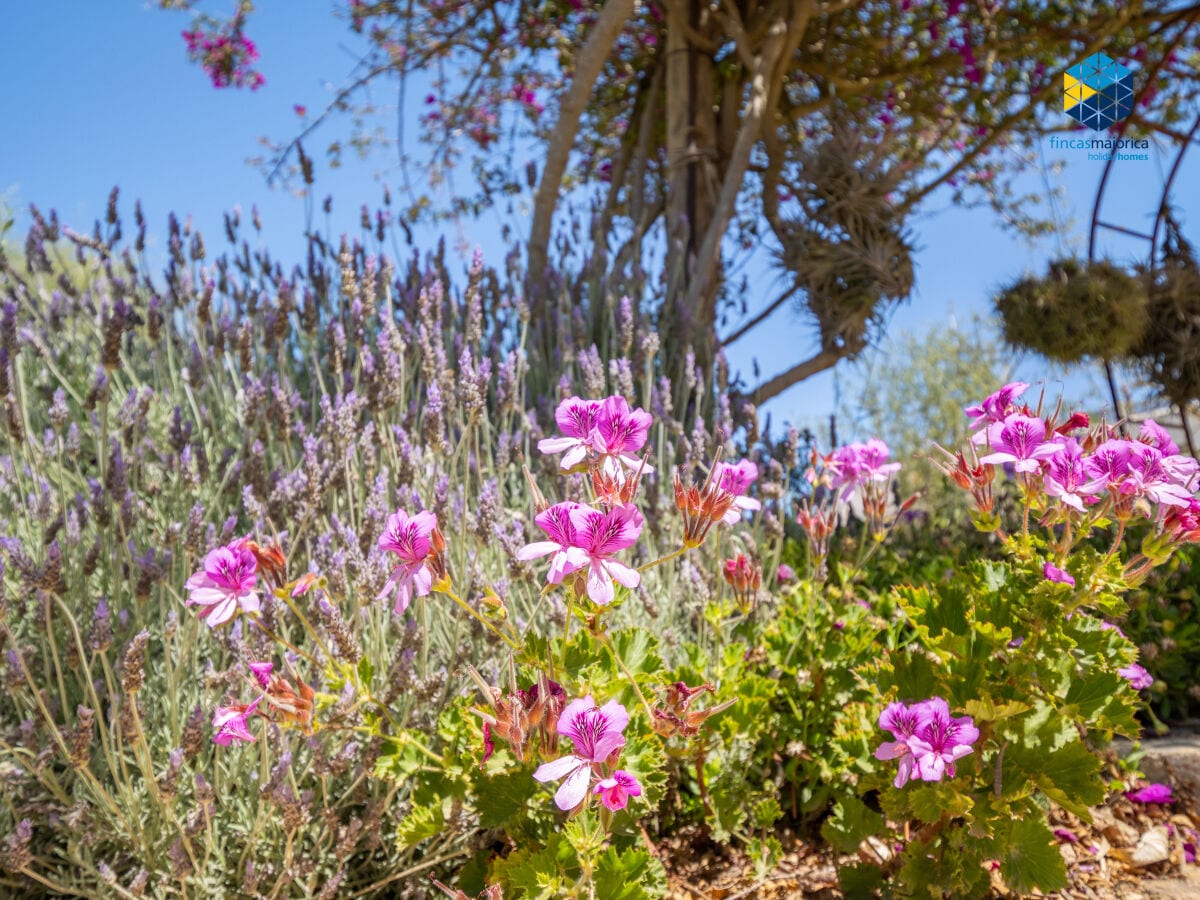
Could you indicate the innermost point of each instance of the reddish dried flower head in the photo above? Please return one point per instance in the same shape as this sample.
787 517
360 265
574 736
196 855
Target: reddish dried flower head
271 561
673 715
702 508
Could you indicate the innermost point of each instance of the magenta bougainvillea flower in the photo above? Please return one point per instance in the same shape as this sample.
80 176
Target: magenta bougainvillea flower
1054 573
1152 793
576 420
556 521
1019 440
600 535
621 432
928 739
225 585
409 539
736 479
230 723
617 788
596 735
1136 676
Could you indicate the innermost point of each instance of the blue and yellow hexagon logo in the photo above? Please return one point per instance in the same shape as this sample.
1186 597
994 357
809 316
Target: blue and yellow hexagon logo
1098 92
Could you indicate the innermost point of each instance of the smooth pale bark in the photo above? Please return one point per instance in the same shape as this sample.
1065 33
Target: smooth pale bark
588 65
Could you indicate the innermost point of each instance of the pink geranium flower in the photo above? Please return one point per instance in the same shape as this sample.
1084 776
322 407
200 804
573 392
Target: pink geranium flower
995 408
576 420
225 584
1149 478
736 480
616 789
1136 676
902 721
1106 467
409 539
1020 440
1157 437
230 723
1152 793
556 521
596 735
261 672
621 432
1065 475
600 535
941 740
1055 574
855 465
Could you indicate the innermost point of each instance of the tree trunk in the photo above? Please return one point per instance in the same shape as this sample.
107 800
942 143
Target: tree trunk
692 184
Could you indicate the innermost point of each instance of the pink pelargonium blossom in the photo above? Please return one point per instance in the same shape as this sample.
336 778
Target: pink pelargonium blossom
577 421
230 723
557 522
1152 793
1149 478
1136 676
596 735
902 721
941 741
1157 437
600 535
858 464
617 788
1020 440
785 574
409 539
1055 574
226 584
995 408
1106 467
261 672
736 480
621 432
1065 475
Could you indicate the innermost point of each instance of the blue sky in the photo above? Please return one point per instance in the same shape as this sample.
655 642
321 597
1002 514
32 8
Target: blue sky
100 94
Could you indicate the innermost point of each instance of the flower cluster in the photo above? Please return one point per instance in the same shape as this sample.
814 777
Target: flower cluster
584 540
421 556
597 739
1077 472
928 740
226 55
285 704
599 433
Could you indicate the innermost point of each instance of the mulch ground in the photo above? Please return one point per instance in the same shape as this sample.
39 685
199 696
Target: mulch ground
1130 851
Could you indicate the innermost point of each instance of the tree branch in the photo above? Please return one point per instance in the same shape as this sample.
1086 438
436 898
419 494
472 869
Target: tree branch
588 66
762 316
826 359
708 258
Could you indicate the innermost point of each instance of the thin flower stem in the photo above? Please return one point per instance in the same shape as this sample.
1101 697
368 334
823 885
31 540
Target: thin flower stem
482 621
273 636
308 626
662 559
632 681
